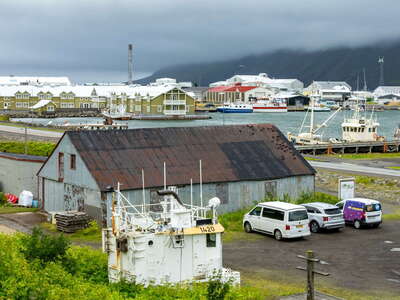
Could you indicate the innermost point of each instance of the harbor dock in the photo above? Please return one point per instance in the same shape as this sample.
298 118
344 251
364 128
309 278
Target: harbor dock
341 148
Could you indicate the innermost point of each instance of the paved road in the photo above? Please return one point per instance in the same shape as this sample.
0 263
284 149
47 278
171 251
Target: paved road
354 168
21 130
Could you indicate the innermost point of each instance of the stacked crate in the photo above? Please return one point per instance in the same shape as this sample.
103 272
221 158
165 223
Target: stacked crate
70 222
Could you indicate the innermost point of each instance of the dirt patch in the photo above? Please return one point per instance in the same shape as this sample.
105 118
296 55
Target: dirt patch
7 230
24 221
358 259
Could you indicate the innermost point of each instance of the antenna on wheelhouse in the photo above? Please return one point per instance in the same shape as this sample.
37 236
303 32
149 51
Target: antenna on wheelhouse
165 177
201 184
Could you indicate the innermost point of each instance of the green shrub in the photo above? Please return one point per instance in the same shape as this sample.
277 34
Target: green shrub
44 247
3 199
216 289
317 197
4 118
87 263
232 221
365 180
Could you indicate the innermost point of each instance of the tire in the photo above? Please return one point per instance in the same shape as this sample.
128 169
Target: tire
376 225
314 226
278 235
357 224
247 227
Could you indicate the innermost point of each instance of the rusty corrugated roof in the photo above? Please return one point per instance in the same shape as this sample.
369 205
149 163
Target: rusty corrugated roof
228 153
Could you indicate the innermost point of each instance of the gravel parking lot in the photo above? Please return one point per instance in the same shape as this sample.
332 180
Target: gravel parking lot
365 259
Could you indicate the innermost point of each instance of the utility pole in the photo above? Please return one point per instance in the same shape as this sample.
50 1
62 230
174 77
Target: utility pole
381 61
310 272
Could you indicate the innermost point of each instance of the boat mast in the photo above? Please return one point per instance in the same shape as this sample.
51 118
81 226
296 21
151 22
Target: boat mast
312 116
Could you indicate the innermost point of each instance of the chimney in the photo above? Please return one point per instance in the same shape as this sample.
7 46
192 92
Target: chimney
130 64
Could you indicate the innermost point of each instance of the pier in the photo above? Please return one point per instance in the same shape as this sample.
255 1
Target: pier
341 148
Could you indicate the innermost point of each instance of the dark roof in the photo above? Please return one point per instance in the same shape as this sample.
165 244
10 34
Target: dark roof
228 153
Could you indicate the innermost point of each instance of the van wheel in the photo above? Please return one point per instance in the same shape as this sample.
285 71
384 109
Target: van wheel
357 224
247 227
376 225
314 227
278 235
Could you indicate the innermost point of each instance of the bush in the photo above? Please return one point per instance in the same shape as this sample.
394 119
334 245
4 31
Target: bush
4 118
317 197
44 247
3 199
87 263
365 180
216 289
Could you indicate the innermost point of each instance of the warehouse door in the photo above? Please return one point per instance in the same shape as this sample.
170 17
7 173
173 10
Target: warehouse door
271 190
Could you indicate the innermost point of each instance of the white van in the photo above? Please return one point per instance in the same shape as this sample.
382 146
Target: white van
282 219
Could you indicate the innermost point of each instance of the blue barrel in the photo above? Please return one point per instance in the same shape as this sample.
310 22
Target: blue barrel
35 203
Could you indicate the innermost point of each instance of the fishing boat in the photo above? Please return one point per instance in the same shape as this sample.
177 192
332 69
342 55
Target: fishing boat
361 128
237 107
319 108
117 112
312 135
270 106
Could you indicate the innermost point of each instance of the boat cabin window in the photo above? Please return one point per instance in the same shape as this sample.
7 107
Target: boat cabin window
211 240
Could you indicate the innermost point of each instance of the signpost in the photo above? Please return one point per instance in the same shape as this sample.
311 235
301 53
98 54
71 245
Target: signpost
310 272
346 188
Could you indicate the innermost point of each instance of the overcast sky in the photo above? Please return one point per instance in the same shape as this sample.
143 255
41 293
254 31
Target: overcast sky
87 39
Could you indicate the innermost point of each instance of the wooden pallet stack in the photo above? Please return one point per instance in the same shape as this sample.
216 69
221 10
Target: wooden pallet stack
70 222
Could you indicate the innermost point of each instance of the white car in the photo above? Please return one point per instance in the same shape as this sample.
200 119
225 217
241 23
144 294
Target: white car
281 219
324 215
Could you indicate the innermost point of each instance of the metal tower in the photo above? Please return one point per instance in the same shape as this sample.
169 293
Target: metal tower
130 64
381 61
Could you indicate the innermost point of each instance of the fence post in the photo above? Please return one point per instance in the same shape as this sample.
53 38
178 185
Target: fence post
310 275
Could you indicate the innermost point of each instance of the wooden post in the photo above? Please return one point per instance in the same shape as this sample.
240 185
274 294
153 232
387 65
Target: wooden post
310 275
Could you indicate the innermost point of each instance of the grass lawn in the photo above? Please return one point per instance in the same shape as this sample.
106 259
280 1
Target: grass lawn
311 158
277 284
90 234
366 155
13 210
34 148
30 127
394 168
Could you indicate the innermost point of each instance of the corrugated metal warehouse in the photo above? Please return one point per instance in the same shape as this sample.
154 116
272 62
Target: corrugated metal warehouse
241 164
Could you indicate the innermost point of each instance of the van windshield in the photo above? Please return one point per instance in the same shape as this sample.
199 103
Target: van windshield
333 211
298 215
372 207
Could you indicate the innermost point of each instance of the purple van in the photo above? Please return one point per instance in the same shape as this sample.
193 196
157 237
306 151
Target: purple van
361 211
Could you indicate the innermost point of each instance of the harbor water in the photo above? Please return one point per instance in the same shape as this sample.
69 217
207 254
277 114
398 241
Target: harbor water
286 122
